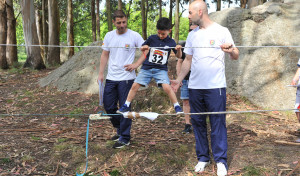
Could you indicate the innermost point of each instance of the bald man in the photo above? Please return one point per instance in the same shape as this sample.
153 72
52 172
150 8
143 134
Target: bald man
207 84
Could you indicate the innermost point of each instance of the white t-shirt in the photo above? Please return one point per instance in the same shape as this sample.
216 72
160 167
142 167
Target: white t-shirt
208 64
118 57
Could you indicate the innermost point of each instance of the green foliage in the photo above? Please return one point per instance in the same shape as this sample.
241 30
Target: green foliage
253 171
115 172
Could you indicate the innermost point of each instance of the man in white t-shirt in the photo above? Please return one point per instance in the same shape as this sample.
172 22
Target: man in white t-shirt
118 52
207 84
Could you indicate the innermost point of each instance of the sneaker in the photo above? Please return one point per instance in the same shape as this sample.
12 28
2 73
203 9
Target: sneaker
221 169
115 137
201 166
187 129
178 110
120 144
123 109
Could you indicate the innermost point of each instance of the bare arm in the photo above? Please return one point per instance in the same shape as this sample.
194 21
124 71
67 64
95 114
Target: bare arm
178 66
232 51
296 77
179 52
131 67
185 68
103 63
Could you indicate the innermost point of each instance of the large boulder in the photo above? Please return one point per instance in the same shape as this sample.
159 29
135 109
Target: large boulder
261 74
79 73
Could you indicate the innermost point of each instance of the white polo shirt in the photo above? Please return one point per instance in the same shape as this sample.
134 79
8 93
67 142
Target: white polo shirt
118 57
208 64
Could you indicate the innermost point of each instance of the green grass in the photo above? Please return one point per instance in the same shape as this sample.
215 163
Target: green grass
35 138
5 161
115 172
253 171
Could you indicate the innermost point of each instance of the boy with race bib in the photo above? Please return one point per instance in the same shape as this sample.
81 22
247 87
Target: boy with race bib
155 65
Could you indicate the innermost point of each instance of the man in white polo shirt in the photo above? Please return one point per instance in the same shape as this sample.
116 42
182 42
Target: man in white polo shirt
207 84
119 79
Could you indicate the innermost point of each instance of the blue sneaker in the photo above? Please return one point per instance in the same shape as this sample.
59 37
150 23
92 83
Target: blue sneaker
123 109
178 110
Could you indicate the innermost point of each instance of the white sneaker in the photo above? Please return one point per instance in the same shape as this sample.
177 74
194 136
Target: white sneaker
201 166
221 169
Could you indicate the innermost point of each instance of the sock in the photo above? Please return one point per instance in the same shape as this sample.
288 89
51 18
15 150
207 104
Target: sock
127 103
176 104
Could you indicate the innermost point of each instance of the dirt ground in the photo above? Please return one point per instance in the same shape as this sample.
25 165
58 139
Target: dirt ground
55 144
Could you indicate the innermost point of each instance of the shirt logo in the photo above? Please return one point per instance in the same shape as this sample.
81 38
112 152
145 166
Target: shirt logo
127 47
212 42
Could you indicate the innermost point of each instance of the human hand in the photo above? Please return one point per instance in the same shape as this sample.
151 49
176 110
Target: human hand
227 47
178 47
294 82
144 48
175 85
100 78
130 67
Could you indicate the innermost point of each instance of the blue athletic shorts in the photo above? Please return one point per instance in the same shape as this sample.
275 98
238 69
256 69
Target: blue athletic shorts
145 76
184 90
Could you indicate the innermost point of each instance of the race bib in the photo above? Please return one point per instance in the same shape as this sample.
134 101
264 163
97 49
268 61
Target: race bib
158 56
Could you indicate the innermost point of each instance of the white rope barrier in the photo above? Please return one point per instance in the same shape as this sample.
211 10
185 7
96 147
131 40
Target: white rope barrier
97 46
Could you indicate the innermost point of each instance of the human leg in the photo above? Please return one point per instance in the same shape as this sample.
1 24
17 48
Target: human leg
126 106
125 123
199 124
110 102
215 100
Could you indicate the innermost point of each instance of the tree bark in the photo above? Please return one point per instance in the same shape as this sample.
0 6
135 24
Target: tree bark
39 27
45 28
171 15
11 51
109 19
34 59
93 14
218 5
177 22
53 52
254 3
70 28
98 19
119 4
243 3
144 20
160 8
3 34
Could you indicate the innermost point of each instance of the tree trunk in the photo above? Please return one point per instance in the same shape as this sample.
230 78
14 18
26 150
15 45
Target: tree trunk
144 20
53 52
93 14
177 22
11 51
119 4
109 19
3 34
39 27
243 3
254 3
34 59
218 5
171 15
45 28
160 8
70 28
98 20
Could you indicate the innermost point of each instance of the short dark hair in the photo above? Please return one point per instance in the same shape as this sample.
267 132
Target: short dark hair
119 14
164 24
